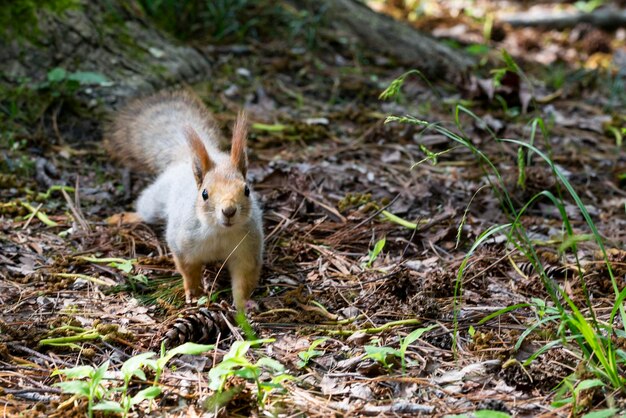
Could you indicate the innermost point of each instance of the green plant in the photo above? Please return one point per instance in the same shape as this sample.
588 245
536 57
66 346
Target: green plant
93 389
61 82
384 355
310 353
373 254
235 363
410 339
131 368
18 18
232 20
592 337
568 387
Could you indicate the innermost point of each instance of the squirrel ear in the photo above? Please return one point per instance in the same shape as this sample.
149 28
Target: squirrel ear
238 150
201 163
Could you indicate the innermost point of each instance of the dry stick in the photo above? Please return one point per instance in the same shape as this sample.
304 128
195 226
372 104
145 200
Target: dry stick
378 212
38 354
31 390
376 330
84 277
40 215
330 209
490 266
31 216
77 216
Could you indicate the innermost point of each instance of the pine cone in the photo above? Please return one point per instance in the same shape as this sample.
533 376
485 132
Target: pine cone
198 325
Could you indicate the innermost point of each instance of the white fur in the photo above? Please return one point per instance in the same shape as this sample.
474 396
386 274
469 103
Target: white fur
172 197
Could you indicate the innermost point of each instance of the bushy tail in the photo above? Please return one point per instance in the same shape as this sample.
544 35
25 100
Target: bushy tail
149 134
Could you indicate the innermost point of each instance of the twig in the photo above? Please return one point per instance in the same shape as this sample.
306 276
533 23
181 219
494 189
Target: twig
31 216
607 18
40 215
38 354
75 211
84 277
376 330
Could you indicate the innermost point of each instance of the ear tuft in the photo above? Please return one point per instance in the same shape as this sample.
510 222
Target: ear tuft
238 150
201 163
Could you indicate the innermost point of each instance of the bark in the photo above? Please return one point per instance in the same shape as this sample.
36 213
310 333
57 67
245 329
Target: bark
107 38
111 37
382 34
605 18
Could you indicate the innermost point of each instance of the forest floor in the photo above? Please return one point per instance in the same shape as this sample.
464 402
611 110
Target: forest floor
330 175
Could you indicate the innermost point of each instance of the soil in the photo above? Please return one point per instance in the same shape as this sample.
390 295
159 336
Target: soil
327 168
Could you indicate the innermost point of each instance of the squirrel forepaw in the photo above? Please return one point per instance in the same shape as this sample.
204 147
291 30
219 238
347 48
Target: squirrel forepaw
251 306
191 297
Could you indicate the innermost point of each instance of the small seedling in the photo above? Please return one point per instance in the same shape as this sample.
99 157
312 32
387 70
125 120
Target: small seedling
306 356
383 355
374 253
410 339
93 390
235 363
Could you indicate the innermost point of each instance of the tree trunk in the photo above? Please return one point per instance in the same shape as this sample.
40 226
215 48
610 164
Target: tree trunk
111 37
108 38
384 35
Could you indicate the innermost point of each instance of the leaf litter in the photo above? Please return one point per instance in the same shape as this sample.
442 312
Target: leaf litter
326 169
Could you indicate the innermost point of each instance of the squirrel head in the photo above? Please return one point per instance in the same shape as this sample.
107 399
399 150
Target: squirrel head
224 198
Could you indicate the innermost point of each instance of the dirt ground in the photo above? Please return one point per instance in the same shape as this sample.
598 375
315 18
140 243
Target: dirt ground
327 168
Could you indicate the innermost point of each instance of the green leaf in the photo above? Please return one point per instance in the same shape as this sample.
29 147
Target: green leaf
562 402
192 349
88 77
271 364
99 374
268 128
76 372
573 240
415 335
587 384
308 355
249 372
373 254
147 393
219 373
380 354
238 349
126 266
603 413
485 413
471 331
187 348
57 75
477 49
110 406
135 363
75 387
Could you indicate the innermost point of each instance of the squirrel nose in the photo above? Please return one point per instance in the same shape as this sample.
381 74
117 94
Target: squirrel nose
229 212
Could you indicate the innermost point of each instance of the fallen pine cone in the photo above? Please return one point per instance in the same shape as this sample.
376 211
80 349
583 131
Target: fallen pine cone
199 325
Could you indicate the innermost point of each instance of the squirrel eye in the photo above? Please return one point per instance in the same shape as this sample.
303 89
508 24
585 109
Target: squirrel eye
246 191
205 195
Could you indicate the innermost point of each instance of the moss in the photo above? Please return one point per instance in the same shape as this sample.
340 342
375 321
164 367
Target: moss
19 18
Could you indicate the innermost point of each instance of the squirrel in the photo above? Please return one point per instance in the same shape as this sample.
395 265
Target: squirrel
210 211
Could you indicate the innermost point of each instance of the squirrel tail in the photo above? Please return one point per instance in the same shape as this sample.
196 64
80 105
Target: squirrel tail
150 134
